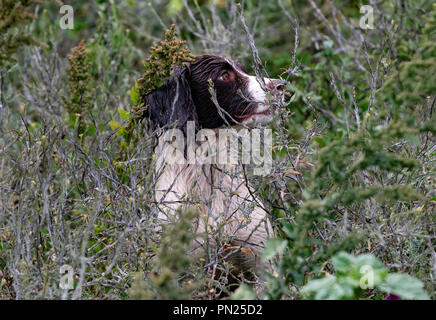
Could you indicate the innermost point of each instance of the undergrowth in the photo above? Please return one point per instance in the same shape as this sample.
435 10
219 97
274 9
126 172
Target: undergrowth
353 177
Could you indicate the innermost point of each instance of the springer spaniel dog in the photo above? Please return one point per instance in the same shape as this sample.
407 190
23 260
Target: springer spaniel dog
212 93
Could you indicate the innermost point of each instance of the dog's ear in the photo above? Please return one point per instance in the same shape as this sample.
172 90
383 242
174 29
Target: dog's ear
171 105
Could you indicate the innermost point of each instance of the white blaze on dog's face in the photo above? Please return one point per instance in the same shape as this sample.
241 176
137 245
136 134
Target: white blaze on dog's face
262 111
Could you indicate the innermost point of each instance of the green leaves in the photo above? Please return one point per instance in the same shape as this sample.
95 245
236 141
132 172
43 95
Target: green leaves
354 275
244 292
80 100
163 57
328 288
404 286
124 114
92 130
413 78
134 94
274 246
14 17
114 125
364 270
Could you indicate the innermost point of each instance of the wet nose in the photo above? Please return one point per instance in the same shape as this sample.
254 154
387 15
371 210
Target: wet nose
276 85
280 87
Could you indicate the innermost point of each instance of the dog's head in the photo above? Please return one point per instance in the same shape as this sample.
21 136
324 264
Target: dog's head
186 96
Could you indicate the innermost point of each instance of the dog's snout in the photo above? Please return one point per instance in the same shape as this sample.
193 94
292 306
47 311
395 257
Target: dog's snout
276 85
280 87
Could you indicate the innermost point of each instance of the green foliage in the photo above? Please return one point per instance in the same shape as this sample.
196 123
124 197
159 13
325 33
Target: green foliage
415 77
354 154
172 263
14 15
273 247
81 95
337 166
163 57
404 286
244 292
356 275
353 157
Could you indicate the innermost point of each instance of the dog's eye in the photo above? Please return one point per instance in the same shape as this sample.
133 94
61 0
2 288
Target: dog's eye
224 76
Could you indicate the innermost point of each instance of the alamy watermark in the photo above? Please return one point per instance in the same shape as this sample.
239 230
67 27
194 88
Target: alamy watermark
67 20
227 146
67 277
367 20
367 279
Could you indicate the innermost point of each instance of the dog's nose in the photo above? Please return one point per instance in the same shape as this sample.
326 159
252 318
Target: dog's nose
280 87
276 85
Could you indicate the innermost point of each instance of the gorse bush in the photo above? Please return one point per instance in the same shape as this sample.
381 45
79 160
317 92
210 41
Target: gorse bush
352 183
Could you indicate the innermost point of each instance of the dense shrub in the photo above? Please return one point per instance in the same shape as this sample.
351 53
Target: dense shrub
354 148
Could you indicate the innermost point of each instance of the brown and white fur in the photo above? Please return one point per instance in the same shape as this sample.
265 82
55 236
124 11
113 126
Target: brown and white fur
234 220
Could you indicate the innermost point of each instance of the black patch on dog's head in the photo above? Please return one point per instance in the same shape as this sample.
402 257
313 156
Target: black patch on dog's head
186 96
171 105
